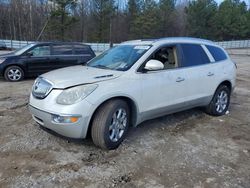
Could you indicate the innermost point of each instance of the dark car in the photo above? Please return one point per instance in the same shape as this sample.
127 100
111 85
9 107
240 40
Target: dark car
38 58
3 46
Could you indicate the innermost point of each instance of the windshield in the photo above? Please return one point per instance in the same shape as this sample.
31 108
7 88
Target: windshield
23 49
119 58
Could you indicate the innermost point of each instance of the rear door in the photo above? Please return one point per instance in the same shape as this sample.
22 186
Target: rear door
37 59
62 56
197 65
219 67
83 53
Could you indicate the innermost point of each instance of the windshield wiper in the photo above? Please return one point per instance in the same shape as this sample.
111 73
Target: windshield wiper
101 67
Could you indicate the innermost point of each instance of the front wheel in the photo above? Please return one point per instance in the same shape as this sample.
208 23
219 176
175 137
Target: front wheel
110 124
220 102
14 74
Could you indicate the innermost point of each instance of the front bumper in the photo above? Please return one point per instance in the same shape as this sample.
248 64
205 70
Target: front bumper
70 130
42 111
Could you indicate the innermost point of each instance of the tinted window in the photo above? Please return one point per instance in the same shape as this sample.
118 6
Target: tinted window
81 49
217 53
193 54
40 51
62 50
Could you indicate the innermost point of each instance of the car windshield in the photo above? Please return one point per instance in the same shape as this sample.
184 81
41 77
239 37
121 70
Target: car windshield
119 58
23 49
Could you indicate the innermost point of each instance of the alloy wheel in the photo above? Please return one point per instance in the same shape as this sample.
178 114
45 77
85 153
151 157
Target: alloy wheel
221 101
118 125
14 74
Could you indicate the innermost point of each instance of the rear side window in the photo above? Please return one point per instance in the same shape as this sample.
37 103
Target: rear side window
81 49
62 49
193 54
217 53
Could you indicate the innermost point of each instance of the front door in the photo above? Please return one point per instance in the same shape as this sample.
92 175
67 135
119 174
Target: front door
37 60
164 90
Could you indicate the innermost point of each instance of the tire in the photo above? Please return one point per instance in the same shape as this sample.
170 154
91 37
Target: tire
14 74
110 124
220 102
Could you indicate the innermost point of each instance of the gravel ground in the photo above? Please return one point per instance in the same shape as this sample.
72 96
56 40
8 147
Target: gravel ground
186 149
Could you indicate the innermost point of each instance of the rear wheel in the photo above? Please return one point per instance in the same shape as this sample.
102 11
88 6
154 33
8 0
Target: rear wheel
220 102
110 124
14 74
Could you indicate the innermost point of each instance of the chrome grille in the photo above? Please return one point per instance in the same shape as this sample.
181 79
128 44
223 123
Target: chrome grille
41 88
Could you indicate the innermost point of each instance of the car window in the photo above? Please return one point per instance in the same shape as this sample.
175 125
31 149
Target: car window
193 54
217 53
81 49
40 51
168 56
62 49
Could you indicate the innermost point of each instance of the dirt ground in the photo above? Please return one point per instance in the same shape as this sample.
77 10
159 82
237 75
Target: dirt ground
187 149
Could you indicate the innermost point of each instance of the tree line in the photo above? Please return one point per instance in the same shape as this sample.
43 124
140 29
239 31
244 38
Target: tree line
119 20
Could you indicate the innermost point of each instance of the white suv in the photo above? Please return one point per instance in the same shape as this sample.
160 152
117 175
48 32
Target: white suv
130 83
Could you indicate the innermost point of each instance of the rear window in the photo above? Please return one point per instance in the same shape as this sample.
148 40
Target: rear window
81 49
193 54
62 49
217 53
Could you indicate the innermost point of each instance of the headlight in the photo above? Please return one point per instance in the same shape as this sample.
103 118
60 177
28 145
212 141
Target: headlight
75 94
2 60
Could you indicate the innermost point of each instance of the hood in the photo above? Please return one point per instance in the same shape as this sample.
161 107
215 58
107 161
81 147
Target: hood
8 54
77 75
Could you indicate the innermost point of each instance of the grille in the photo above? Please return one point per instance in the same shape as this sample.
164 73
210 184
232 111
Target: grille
41 88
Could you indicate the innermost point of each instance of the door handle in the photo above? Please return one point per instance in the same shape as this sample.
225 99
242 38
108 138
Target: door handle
210 74
179 79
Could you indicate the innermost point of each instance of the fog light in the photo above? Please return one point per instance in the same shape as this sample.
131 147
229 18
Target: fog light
65 119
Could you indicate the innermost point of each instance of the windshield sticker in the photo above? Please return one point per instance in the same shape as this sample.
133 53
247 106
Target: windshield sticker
141 47
140 51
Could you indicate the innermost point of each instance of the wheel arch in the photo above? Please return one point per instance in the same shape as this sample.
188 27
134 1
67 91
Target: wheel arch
131 104
226 83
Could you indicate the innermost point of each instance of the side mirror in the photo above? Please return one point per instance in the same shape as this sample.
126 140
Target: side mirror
154 65
29 54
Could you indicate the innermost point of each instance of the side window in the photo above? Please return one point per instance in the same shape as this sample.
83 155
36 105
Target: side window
168 56
81 49
193 54
62 49
217 53
40 51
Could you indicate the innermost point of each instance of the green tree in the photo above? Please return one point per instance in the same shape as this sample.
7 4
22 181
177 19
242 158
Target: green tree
133 11
231 20
61 17
167 17
147 21
248 24
104 11
201 18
